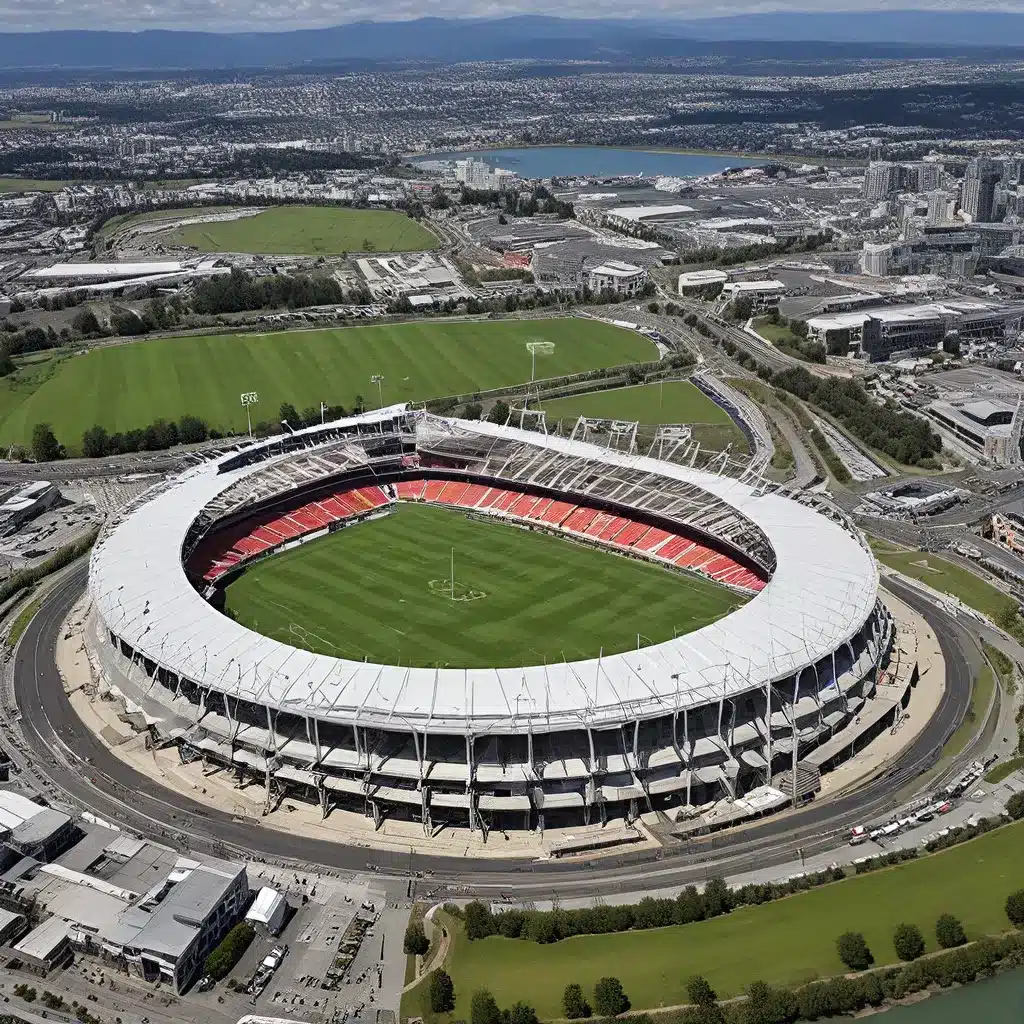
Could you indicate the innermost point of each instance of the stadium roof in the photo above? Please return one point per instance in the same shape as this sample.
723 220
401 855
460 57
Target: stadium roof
821 593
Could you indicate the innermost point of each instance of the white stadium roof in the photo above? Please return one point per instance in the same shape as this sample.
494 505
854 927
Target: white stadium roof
820 595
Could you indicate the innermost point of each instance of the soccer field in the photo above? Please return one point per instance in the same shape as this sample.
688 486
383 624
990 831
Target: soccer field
382 590
676 401
309 230
125 386
789 942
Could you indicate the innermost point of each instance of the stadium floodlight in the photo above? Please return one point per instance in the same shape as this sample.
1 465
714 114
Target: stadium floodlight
378 379
545 348
249 398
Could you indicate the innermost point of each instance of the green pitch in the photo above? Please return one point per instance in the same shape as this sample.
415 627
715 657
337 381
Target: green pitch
651 405
383 590
125 386
789 942
309 230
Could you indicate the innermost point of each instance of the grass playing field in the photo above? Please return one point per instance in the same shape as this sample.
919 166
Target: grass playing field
651 405
791 941
126 386
382 590
30 185
309 230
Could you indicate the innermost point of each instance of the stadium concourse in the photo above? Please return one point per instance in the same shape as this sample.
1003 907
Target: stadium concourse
723 711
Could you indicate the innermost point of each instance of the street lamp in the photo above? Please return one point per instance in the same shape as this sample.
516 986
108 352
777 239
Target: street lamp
249 398
378 379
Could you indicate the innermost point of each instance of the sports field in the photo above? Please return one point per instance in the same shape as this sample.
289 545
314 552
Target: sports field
383 590
125 386
309 230
676 401
791 941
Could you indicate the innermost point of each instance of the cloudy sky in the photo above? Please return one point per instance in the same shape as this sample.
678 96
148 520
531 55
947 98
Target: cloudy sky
269 15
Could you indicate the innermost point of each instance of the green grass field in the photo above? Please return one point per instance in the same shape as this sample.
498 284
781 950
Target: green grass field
126 386
310 230
381 590
31 185
789 942
651 405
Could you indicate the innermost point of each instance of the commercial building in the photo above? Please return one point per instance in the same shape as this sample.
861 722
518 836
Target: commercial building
32 830
696 279
25 503
618 277
875 259
990 427
763 294
884 336
46 947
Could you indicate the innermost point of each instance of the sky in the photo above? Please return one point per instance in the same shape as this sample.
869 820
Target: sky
282 15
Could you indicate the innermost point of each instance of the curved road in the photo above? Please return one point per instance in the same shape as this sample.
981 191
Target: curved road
66 751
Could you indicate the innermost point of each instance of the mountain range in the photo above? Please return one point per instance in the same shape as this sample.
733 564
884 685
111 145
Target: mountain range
770 35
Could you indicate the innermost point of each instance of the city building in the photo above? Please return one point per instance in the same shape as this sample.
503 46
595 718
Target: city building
979 189
939 208
696 279
928 175
989 427
618 277
883 336
46 946
32 830
881 180
25 503
478 174
875 258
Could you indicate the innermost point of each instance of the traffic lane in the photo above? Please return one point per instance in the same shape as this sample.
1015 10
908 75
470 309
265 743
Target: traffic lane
122 793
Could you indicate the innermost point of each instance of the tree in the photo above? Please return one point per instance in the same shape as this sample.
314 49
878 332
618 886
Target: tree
192 430
289 414
717 897
499 412
520 1013
1015 908
853 951
574 1005
609 998
484 1009
472 411
85 323
767 1005
442 992
949 931
908 941
95 443
45 447
699 992
415 942
1015 805
478 920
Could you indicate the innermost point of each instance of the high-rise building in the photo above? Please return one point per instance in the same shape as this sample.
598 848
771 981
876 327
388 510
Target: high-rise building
928 175
979 194
938 207
881 179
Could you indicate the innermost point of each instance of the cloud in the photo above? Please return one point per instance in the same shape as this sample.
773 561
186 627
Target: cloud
282 15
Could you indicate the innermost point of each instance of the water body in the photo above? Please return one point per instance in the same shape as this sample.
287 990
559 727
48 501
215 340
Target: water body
998 1000
598 162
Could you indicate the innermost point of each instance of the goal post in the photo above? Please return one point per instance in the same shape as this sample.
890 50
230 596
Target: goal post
538 347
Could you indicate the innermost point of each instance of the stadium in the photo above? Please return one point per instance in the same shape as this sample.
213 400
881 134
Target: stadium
785 645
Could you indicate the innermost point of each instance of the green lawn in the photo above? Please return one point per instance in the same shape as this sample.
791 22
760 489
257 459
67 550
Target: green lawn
381 590
981 695
31 185
790 942
310 230
127 386
651 405
946 576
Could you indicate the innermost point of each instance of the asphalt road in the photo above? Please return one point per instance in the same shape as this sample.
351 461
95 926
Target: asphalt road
81 766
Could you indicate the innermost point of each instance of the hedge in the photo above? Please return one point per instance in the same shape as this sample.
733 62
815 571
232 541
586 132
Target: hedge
220 962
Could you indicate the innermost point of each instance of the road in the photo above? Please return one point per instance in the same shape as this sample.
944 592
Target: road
81 766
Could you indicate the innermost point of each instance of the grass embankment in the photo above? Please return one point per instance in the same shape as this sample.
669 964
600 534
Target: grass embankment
652 405
981 694
310 230
121 387
519 598
765 396
788 942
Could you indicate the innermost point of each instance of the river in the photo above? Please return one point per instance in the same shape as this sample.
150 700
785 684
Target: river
998 1000
598 161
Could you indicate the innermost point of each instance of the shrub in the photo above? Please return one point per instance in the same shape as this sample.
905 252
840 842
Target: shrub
949 931
1015 806
415 941
574 1005
479 920
229 951
442 992
483 1009
609 998
908 941
699 992
853 951
1015 908
520 1013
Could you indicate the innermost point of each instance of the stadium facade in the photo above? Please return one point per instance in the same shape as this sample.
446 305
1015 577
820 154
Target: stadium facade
706 716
